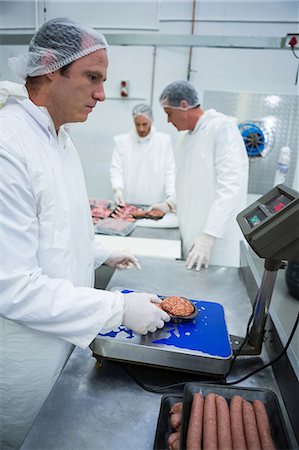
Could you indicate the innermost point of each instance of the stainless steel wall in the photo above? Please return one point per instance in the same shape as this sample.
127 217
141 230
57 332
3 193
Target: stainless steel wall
279 113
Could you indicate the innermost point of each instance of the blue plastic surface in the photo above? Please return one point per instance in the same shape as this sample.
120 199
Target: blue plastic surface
206 333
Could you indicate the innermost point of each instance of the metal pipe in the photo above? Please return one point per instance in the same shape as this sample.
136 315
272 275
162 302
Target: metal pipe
263 300
153 74
274 22
192 32
36 21
45 10
176 40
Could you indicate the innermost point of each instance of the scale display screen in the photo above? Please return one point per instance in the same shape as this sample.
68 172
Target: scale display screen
255 217
277 203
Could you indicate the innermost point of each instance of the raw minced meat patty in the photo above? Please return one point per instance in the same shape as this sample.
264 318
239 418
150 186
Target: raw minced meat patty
177 306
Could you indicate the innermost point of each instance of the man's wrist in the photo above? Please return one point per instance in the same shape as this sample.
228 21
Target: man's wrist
170 203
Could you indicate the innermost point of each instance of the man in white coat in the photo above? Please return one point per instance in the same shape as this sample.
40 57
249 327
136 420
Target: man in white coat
142 168
211 179
48 252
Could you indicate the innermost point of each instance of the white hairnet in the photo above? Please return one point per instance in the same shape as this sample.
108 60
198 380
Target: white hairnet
177 91
143 110
57 43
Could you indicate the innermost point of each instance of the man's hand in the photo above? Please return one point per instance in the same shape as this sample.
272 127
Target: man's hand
142 314
200 252
123 260
118 197
163 206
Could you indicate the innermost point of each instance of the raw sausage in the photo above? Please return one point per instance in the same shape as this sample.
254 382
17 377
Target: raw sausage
250 427
176 407
236 421
194 432
263 425
209 423
176 412
224 436
174 440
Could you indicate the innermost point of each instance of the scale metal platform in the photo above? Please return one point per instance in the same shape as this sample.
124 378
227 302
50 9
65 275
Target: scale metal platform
201 344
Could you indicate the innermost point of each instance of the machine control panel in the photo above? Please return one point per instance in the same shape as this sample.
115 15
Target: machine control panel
274 205
271 224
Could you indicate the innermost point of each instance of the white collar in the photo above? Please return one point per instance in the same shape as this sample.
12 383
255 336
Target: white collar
44 119
9 89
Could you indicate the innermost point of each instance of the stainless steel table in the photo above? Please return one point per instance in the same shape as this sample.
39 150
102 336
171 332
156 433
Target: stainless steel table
157 233
91 408
142 241
219 284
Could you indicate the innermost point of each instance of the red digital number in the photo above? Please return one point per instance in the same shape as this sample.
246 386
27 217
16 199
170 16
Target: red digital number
278 207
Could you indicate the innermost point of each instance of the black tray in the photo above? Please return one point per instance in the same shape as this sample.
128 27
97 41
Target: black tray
278 428
183 318
164 428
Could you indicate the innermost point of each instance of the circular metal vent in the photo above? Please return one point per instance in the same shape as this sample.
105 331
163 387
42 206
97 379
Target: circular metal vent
258 136
254 137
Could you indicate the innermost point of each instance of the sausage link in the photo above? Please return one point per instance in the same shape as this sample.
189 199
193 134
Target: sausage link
224 437
250 427
176 412
176 407
174 440
209 423
263 425
236 421
194 432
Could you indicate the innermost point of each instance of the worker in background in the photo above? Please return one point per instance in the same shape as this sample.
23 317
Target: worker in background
211 180
48 256
143 168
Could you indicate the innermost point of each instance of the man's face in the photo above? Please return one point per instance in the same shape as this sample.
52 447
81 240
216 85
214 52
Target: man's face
143 125
177 117
74 93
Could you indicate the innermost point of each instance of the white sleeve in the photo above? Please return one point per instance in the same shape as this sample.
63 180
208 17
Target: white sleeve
102 253
170 171
116 168
29 296
231 166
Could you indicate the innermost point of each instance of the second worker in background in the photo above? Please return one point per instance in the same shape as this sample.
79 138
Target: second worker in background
211 181
143 168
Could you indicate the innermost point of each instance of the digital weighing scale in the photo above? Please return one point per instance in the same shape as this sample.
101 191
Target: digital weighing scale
271 227
179 344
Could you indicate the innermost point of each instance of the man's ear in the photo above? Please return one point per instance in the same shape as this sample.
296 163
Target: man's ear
184 104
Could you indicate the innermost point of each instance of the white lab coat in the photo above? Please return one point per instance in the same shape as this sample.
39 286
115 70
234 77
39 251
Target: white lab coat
144 168
48 257
211 185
